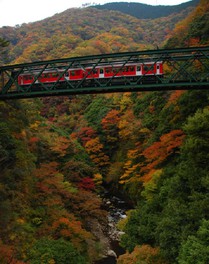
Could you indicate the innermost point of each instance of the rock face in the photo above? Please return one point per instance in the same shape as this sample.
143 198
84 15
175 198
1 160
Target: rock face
104 234
108 235
117 211
111 253
99 231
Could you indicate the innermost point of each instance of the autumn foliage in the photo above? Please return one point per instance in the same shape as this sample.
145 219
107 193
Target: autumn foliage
157 153
59 155
142 254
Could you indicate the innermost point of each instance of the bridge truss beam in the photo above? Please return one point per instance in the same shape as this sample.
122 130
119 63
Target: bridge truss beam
184 69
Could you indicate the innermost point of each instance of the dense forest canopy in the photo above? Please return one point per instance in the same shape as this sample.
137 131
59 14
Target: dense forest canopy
57 155
143 11
88 31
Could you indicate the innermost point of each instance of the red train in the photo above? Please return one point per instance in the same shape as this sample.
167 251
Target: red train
148 71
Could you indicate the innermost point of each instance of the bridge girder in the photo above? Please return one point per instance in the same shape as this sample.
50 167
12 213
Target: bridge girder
184 69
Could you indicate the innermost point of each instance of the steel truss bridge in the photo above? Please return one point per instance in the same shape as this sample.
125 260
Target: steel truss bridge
184 69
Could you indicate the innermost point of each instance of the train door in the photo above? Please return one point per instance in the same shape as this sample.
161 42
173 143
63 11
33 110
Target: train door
139 70
67 75
101 73
158 68
20 80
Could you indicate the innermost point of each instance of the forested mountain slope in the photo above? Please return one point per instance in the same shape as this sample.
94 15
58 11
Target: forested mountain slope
58 154
86 31
143 11
193 30
171 221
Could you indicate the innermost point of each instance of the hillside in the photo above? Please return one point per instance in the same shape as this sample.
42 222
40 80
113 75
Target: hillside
143 11
86 31
193 30
60 155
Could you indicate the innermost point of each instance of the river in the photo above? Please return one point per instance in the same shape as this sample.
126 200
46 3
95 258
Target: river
116 208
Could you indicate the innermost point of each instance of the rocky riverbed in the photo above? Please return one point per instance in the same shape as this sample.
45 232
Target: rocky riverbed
110 235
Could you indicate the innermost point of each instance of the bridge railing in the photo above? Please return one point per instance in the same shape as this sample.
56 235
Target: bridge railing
186 68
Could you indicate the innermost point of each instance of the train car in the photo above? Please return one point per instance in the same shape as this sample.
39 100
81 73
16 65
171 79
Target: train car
134 69
117 70
77 74
35 77
148 71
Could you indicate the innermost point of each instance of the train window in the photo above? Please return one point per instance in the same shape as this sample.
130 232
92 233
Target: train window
117 70
27 77
55 74
148 68
45 75
108 70
158 67
132 68
75 72
101 71
138 68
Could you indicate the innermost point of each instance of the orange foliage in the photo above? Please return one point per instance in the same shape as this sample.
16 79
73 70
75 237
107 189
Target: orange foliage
195 42
51 188
95 150
136 169
110 120
94 146
34 140
131 166
7 255
110 126
128 126
87 204
142 254
175 95
148 176
86 134
66 224
70 228
159 151
48 177
60 145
